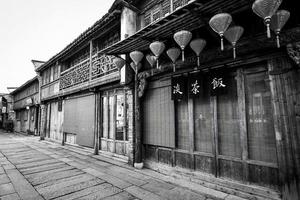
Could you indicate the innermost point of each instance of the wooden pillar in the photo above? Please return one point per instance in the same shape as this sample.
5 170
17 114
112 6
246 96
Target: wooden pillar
98 110
91 60
284 91
43 121
243 122
137 122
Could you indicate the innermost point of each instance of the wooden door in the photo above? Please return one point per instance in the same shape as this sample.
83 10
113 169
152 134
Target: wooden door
114 138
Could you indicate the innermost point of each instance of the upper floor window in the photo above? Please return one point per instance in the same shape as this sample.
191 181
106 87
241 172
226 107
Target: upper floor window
162 9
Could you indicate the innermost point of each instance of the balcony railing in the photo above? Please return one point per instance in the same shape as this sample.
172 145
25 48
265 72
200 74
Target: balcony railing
80 73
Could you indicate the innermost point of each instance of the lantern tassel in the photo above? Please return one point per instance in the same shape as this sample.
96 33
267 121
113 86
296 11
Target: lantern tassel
222 44
174 67
268 30
157 64
278 41
183 55
198 61
234 52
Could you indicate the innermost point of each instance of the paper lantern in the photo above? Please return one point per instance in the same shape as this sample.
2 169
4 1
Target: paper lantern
182 38
173 54
119 62
266 9
219 23
197 45
157 49
233 34
136 68
151 60
136 57
278 20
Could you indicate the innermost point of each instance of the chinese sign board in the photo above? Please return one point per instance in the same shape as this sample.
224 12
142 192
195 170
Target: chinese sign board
179 88
218 83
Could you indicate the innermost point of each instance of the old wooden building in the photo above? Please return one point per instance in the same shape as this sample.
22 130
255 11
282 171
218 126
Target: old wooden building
82 100
26 107
240 130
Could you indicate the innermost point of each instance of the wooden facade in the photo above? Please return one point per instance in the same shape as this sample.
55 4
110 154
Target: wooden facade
244 139
26 107
82 101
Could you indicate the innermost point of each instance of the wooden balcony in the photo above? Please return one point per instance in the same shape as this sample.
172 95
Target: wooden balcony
88 73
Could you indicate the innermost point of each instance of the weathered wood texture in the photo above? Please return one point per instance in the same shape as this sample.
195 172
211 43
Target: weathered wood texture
285 101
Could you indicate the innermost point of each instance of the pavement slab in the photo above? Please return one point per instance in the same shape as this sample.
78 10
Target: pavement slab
6 188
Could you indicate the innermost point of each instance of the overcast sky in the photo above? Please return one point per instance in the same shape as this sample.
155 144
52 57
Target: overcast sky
38 29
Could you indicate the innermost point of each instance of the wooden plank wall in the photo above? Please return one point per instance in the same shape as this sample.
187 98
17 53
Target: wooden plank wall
285 94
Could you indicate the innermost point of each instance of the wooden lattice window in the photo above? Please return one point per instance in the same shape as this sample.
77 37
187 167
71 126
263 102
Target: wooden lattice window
166 7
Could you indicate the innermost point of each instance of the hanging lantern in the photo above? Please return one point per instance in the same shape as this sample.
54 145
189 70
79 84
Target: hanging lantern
266 9
157 48
136 56
151 60
198 45
219 23
278 20
233 34
182 38
173 54
135 67
119 62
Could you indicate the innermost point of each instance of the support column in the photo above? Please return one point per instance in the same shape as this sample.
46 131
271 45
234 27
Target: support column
283 82
137 121
43 118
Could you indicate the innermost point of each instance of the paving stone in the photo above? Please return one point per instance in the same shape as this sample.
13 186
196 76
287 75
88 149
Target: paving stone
22 186
4 179
49 172
180 193
120 196
66 182
55 181
57 192
1 170
6 189
142 193
110 179
24 161
13 196
101 193
42 168
34 164
43 179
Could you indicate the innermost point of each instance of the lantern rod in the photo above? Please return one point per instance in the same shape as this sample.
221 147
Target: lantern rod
222 43
278 40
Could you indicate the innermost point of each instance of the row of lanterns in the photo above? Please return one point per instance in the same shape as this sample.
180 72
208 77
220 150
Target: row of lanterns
266 9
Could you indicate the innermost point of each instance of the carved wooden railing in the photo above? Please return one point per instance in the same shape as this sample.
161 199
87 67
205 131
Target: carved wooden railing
80 73
75 75
102 65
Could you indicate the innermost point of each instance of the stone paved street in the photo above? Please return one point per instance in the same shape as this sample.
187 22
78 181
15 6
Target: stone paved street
31 169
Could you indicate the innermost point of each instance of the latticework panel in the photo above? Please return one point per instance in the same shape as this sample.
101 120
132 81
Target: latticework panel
102 65
76 75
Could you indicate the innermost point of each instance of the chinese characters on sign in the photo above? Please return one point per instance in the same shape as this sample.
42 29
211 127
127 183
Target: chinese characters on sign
195 86
217 82
218 85
179 87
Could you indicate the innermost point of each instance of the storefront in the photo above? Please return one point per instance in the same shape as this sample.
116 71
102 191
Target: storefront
222 115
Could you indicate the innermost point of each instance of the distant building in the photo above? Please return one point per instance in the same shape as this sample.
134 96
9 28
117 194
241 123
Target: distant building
6 109
26 107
